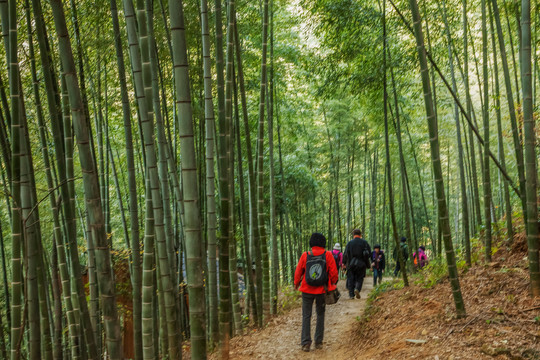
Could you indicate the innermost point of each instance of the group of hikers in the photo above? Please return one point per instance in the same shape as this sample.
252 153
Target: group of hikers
318 272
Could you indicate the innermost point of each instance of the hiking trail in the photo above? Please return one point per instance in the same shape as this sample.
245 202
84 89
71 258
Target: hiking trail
281 338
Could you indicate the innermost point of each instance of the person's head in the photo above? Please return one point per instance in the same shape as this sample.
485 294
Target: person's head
377 248
357 233
403 239
317 239
337 246
422 247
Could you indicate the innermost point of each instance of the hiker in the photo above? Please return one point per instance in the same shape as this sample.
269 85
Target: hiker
356 257
378 263
420 257
315 274
405 252
338 257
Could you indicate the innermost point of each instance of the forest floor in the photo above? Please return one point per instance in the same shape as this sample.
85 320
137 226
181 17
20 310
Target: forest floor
503 321
281 338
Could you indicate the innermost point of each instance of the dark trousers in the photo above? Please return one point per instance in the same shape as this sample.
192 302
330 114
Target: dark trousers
377 274
398 268
355 280
307 309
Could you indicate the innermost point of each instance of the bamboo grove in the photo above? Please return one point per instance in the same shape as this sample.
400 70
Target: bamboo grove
163 163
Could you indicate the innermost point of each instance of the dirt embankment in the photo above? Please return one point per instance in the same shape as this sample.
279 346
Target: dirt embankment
503 321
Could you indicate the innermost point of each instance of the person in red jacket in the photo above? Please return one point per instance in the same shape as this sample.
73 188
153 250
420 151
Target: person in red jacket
315 274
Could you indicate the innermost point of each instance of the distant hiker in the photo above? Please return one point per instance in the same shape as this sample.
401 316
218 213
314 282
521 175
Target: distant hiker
420 257
315 273
378 263
357 259
404 251
338 256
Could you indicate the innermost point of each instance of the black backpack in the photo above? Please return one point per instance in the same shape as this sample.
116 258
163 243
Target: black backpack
366 255
316 274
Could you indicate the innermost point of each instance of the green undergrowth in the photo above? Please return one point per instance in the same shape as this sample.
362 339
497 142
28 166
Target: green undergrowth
290 299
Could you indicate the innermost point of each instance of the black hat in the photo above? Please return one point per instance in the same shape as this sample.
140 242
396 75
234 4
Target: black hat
317 239
377 246
423 247
403 239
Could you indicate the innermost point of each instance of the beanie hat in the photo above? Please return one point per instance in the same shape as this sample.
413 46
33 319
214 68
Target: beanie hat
377 246
317 239
403 239
337 246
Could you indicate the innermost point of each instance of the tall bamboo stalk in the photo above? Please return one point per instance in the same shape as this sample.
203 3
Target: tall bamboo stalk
485 115
533 236
16 222
132 185
213 330
502 157
436 162
257 318
192 224
401 258
463 188
91 186
260 170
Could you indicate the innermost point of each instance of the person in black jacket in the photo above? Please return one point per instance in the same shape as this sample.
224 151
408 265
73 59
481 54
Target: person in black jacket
357 259
378 263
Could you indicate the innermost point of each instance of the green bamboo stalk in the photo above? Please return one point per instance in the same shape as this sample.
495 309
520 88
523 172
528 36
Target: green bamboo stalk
213 330
226 194
248 273
533 236
485 115
16 229
511 107
435 156
401 259
464 202
90 180
147 125
148 271
132 185
507 202
273 238
260 171
257 313
189 181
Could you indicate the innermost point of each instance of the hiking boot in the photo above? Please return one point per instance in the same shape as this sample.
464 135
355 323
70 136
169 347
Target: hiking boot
306 347
351 297
357 293
318 346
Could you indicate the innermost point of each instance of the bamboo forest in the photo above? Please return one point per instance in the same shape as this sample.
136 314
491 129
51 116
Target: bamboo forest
169 169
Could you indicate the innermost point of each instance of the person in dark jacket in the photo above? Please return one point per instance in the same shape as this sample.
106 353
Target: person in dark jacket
314 293
405 252
356 257
378 263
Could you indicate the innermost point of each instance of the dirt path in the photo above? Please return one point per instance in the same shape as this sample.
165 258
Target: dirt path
281 339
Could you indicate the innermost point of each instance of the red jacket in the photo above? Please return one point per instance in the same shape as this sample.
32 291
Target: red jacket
301 269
